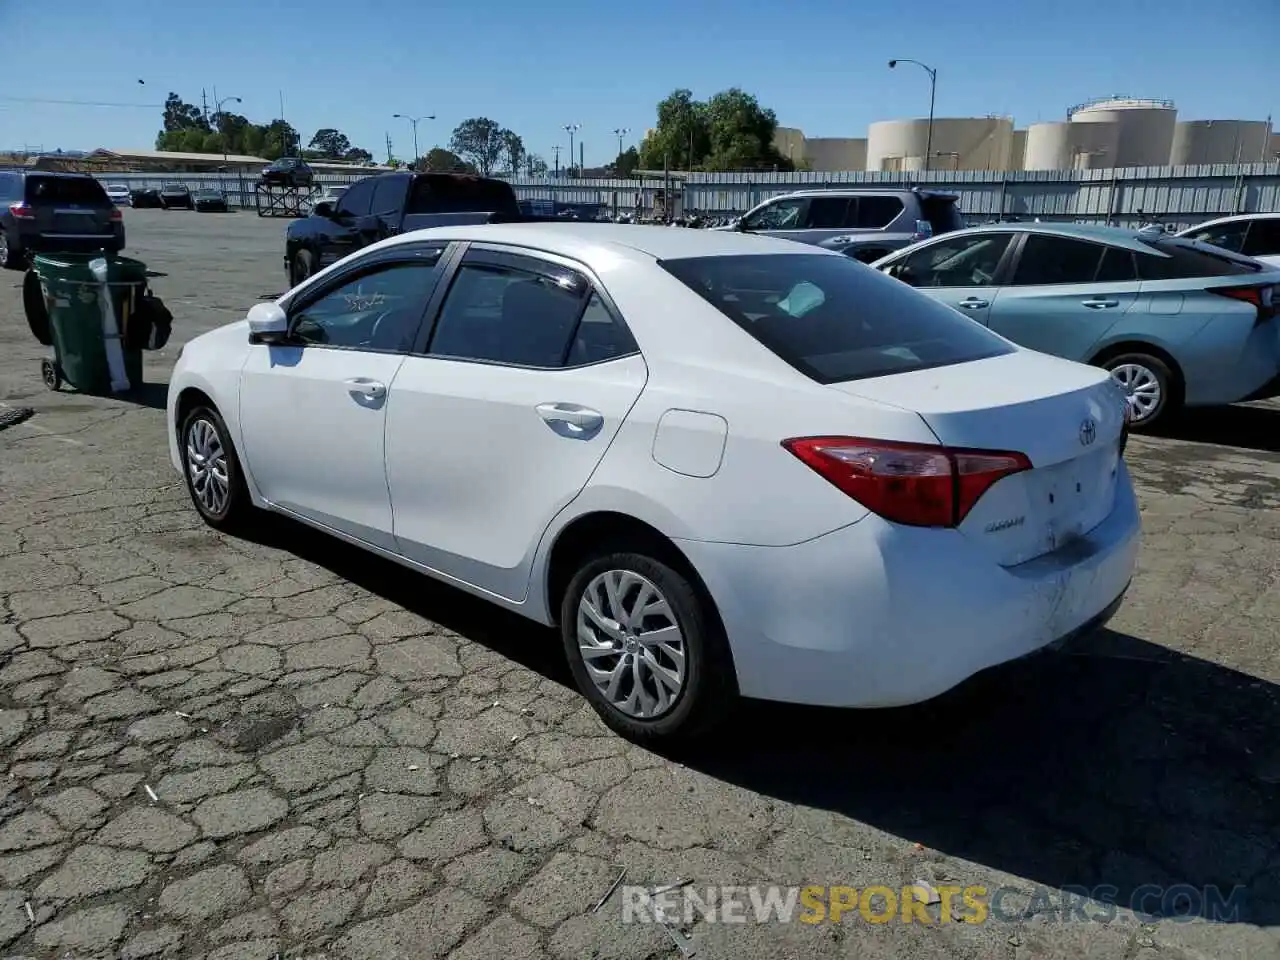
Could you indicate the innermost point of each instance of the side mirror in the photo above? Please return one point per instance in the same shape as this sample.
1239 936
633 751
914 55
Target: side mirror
900 271
268 324
740 225
324 208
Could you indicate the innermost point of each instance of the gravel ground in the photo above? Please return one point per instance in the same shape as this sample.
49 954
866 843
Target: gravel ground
241 749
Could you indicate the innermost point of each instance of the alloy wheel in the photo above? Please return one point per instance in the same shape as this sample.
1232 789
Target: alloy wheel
1141 388
631 645
207 467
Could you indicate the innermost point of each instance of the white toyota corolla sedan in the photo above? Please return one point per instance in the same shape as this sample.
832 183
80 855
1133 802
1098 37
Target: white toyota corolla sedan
719 464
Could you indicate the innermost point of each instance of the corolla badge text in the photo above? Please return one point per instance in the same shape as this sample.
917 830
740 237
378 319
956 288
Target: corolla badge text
1007 524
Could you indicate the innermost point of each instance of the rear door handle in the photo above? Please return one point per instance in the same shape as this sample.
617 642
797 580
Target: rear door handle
364 387
1099 304
570 419
974 303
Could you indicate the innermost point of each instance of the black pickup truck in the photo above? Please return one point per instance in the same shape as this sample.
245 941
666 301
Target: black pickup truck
382 206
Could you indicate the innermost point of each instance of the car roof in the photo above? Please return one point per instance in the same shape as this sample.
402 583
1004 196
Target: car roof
1130 237
588 241
860 191
1233 218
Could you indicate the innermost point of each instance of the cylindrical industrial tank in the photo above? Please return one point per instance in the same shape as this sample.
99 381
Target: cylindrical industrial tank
1219 141
1048 146
1145 128
958 143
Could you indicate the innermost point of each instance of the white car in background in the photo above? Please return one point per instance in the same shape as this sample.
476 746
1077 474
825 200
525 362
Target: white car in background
719 464
1255 235
118 193
327 194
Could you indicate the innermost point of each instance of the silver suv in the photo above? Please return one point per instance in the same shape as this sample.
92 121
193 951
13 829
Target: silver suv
864 224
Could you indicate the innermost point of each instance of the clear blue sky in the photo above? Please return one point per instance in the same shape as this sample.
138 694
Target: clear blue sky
534 67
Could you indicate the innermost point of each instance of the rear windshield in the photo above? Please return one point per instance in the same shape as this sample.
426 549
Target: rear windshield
460 195
65 190
834 319
941 213
1185 261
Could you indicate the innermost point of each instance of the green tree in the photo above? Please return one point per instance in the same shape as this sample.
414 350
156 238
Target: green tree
731 131
535 166
627 162
280 139
513 147
212 143
440 160
330 143
480 141
232 127
252 140
191 140
358 155
180 115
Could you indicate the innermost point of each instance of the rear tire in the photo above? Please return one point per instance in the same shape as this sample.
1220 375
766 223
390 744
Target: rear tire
1154 391
602 641
211 468
10 257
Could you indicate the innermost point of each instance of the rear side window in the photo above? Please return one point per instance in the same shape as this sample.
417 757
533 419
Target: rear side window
941 213
829 213
1047 260
1184 261
1264 238
444 194
65 190
834 319
876 213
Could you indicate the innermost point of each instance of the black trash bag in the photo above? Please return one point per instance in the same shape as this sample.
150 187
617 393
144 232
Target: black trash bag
36 309
149 326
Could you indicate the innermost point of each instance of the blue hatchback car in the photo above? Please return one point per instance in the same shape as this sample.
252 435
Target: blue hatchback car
1177 322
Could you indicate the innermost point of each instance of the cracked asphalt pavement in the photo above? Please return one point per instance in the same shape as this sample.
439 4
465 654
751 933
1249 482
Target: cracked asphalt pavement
243 749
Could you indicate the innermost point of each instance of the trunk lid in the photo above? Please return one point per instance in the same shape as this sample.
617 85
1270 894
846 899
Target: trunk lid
1066 417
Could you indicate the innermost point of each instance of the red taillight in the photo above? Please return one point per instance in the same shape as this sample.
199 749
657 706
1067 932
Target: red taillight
116 214
1261 297
22 211
909 483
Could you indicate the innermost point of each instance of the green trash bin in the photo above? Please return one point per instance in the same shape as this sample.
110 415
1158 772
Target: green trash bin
71 296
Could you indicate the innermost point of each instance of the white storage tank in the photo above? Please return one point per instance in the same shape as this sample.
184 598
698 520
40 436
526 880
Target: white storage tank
1145 128
1071 146
1220 141
959 143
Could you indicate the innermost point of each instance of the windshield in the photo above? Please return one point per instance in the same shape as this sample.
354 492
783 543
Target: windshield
117 187
834 319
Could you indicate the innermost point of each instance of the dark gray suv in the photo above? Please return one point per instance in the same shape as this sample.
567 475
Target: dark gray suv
864 223
55 213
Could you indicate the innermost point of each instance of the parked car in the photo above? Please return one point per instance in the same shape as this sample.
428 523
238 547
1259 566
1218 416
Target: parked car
864 224
145 198
176 195
288 172
330 194
939 499
118 193
1177 323
1255 235
208 200
383 206
55 213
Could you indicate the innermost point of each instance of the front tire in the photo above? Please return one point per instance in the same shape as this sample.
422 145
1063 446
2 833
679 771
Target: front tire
1152 390
212 470
645 648
10 258
301 267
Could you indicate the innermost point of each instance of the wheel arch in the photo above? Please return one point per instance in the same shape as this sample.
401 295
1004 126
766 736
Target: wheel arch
1120 347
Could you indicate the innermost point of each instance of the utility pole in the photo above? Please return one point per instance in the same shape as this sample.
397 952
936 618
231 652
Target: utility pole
389 157
620 132
581 153
204 106
571 129
555 152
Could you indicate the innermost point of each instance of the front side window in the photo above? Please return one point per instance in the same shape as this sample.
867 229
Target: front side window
504 314
780 215
833 319
357 200
380 310
960 262
1228 236
1048 260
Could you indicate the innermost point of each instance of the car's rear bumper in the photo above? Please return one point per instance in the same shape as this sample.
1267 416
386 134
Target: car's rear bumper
877 615
64 243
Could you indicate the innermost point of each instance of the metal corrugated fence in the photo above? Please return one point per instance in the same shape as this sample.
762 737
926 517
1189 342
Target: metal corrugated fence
1181 195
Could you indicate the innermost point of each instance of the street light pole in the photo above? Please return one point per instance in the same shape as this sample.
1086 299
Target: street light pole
217 110
571 128
413 121
620 133
933 90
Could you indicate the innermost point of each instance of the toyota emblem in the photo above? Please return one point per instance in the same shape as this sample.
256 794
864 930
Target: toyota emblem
1088 432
